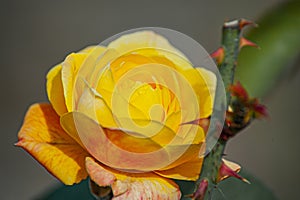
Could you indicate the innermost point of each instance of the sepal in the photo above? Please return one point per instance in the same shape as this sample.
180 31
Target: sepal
242 111
199 194
225 171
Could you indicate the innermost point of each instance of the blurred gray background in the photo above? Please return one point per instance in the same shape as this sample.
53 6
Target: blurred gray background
35 35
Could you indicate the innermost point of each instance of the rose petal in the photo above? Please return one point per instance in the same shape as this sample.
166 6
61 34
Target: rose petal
93 105
188 171
71 65
114 147
204 85
42 136
55 90
131 150
142 39
133 186
70 69
98 174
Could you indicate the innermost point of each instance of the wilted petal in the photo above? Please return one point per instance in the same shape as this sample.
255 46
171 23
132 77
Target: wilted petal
42 136
133 186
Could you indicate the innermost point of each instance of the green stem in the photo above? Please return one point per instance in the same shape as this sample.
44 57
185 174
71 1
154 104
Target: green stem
230 44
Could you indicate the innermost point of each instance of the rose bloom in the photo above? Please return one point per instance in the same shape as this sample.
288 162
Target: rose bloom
103 120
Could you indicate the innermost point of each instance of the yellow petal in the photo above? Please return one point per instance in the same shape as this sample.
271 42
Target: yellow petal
55 90
71 65
92 104
42 136
70 69
68 125
210 80
140 40
127 62
154 46
133 186
188 171
204 85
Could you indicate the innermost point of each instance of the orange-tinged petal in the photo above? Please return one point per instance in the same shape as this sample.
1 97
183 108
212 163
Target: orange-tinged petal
131 150
133 186
55 90
42 136
98 174
188 171
114 147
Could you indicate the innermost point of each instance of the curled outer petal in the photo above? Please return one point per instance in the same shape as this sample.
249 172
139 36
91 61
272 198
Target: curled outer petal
61 78
42 136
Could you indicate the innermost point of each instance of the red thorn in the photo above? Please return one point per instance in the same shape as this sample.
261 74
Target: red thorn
239 91
245 22
226 171
244 42
200 192
218 55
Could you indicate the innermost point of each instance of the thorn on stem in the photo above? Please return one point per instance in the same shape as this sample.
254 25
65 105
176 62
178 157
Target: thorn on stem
218 55
244 42
245 22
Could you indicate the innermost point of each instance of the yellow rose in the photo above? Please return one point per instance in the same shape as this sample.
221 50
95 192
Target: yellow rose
125 115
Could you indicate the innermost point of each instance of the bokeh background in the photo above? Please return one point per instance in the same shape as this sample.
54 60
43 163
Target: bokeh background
35 35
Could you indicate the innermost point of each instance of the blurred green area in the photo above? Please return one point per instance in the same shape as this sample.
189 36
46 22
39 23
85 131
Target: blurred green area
278 36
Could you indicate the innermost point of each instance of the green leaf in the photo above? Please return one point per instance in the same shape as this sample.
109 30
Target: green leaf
234 189
278 36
